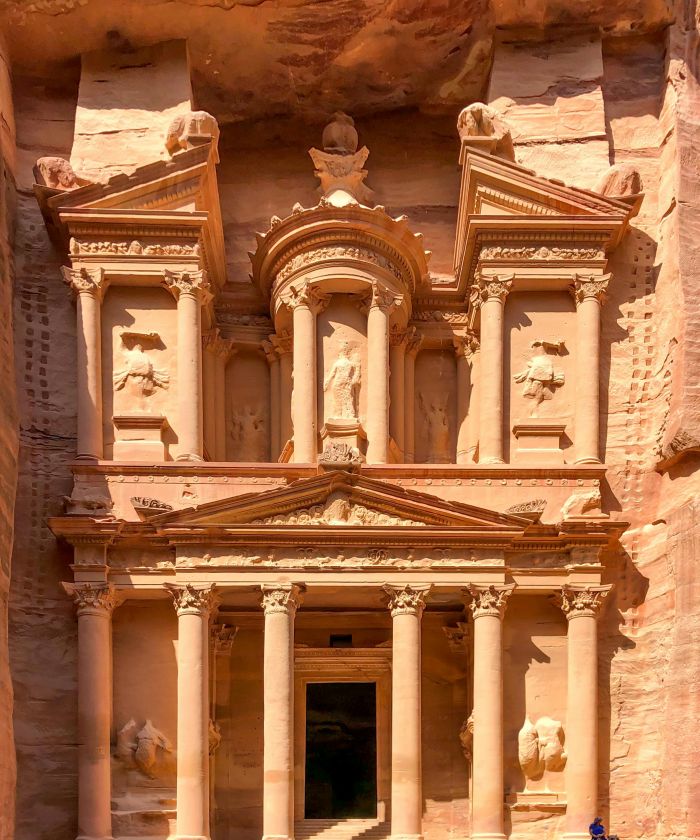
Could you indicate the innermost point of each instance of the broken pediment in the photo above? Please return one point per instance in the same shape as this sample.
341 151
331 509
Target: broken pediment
338 499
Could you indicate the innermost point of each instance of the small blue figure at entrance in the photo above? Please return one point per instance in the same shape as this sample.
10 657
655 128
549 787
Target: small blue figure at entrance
596 829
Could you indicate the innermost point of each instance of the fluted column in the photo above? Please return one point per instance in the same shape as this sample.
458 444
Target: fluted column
465 348
282 343
280 603
191 290
95 604
413 343
381 304
305 303
88 286
490 295
589 293
397 384
581 606
488 606
194 605
406 604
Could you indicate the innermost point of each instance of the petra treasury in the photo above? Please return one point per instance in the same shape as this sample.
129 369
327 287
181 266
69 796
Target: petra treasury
350 420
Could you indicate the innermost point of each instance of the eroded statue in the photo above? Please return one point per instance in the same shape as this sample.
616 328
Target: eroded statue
139 373
342 383
437 427
247 431
541 747
466 736
57 173
142 746
541 377
480 121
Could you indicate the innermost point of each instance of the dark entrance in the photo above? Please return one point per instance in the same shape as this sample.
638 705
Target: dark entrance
341 751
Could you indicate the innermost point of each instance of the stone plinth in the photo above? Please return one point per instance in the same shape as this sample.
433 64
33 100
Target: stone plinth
139 437
539 441
343 430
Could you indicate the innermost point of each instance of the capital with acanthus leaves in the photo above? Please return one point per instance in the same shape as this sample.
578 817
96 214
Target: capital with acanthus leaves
86 280
489 600
466 344
491 287
407 600
190 599
281 597
94 599
194 283
306 295
590 287
582 601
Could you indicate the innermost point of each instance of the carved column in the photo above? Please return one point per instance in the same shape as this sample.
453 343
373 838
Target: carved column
95 605
194 605
581 606
191 290
589 293
280 603
406 604
222 636
465 349
274 363
397 384
488 606
305 304
88 283
381 305
283 345
413 343
490 294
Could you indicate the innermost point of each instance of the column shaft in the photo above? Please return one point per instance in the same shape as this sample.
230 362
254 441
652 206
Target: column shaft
474 407
285 398
587 381
406 605
189 377
491 381
412 345
220 406
275 418
397 383
209 364
279 603
89 369
378 384
304 412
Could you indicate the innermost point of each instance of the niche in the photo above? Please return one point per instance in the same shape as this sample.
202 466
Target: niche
436 407
248 407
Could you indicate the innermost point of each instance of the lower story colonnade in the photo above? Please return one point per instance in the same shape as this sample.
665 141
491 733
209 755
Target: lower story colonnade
196 606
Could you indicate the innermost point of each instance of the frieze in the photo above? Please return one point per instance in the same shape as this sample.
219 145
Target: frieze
442 315
542 252
336 252
132 248
337 510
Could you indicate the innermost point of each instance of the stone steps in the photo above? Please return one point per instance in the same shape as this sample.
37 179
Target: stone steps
341 830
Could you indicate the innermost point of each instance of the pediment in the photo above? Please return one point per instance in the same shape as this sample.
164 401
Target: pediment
338 500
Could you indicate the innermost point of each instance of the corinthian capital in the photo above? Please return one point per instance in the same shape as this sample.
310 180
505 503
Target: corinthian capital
193 600
195 283
491 287
283 342
489 600
216 344
466 344
590 286
407 600
382 298
281 598
584 601
306 295
97 599
88 280
413 340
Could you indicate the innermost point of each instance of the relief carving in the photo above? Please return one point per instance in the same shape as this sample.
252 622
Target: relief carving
343 383
57 174
448 316
339 167
622 179
579 504
337 510
466 737
541 377
214 736
142 746
186 130
132 248
141 377
479 121
437 427
336 252
247 429
541 747
339 455
541 252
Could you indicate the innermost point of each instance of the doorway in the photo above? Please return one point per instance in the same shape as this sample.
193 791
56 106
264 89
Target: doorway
341 750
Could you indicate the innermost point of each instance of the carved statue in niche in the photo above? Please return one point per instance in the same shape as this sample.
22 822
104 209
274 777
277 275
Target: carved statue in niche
343 383
437 426
466 736
541 747
247 431
541 377
139 376
141 746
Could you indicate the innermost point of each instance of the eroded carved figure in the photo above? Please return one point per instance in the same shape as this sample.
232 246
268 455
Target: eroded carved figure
247 431
57 173
186 129
622 179
342 383
466 737
480 120
541 747
142 746
579 504
541 377
435 412
139 373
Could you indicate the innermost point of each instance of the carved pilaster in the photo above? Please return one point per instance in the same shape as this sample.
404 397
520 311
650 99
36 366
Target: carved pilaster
86 280
489 600
491 287
217 345
222 636
398 336
466 344
576 601
282 342
190 599
281 598
413 341
407 600
590 286
98 599
193 283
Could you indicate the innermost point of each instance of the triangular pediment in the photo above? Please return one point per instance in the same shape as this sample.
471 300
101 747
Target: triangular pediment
340 499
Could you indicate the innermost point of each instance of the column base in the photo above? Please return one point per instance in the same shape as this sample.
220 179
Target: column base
277 837
94 837
487 836
188 837
406 837
575 835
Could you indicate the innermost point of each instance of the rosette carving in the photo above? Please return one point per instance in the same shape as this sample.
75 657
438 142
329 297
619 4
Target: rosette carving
281 598
489 600
193 600
585 601
407 600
